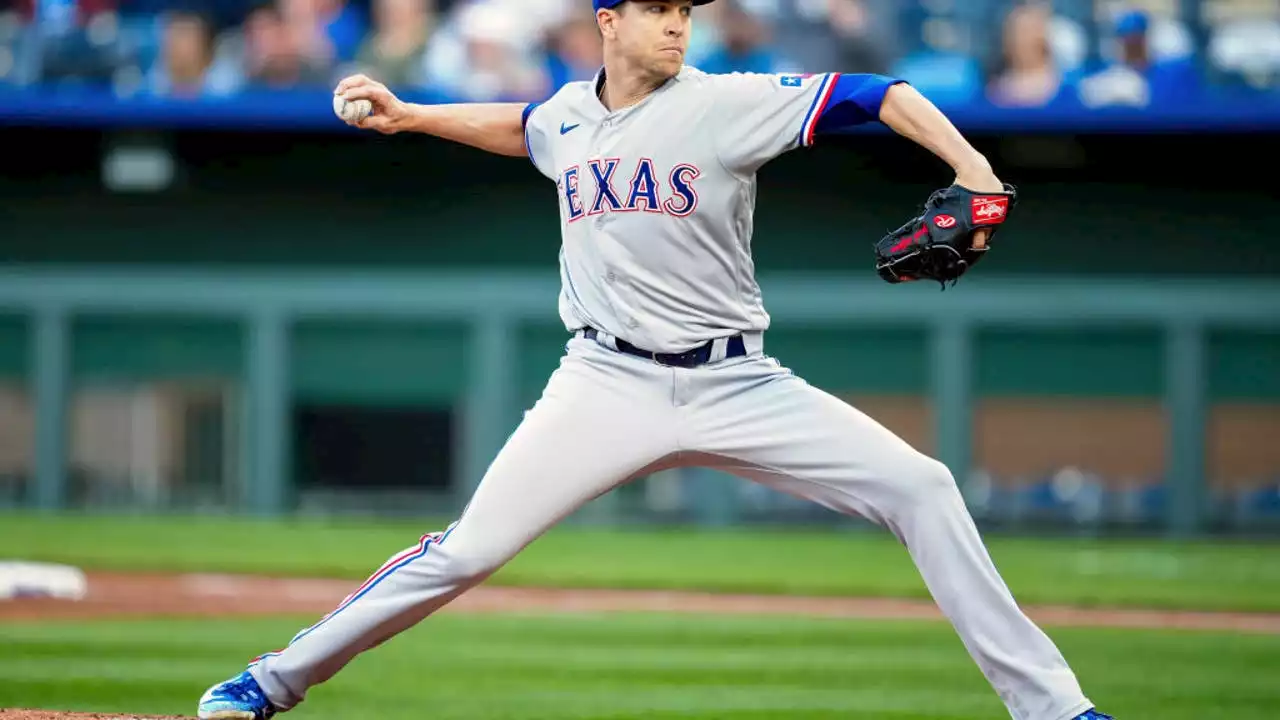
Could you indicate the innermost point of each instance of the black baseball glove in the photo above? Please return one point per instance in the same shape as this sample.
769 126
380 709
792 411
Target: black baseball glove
938 244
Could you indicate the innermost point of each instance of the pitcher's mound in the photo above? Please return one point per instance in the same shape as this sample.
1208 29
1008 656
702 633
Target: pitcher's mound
16 714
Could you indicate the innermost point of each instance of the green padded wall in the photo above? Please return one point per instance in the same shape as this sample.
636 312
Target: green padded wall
14 347
854 360
541 347
392 362
1244 366
1106 362
131 348
379 362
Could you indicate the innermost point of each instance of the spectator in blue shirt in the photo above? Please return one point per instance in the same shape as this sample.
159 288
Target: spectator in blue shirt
744 44
330 30
574 50
1137 78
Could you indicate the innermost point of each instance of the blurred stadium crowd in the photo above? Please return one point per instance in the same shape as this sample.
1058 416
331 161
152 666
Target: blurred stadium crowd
1086 53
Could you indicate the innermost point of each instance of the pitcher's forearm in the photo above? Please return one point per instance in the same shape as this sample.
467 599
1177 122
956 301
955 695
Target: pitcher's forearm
912 116
495 127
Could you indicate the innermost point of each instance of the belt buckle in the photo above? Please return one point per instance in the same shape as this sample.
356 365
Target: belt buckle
686 359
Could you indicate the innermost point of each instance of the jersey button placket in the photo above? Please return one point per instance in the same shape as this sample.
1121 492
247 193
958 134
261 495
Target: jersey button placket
680 381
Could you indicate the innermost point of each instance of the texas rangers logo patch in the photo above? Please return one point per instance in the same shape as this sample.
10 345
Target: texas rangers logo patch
990 210
794 81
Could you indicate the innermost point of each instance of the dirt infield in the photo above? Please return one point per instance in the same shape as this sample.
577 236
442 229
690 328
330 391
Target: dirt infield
206 595
53 715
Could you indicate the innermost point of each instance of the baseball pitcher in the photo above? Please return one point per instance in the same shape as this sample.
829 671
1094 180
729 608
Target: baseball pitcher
654 166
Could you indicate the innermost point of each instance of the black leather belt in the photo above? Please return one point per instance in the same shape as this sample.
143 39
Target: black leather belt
700 355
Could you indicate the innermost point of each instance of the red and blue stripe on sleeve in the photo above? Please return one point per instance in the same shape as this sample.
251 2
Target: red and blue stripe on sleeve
844 101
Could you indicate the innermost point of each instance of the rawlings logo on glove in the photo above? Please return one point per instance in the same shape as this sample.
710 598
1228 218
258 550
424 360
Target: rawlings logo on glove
938 244
988 208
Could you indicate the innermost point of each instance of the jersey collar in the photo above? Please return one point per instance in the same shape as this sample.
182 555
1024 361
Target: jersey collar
597 87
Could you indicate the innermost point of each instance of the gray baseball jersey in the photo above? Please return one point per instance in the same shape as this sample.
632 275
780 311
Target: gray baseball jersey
657 199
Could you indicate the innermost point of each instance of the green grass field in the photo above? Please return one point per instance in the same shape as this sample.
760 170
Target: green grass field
1151 573
635 667
655 666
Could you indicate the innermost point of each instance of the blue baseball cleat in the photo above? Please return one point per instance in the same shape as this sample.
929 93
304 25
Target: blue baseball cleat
239 698
1093 715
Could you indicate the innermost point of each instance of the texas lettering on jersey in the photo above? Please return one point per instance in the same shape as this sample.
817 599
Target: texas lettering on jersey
656 199
602 187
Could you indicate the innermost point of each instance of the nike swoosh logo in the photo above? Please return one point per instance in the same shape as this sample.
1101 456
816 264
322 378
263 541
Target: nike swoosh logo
564 130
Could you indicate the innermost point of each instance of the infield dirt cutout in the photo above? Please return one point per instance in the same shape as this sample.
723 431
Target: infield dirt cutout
124 595
53 715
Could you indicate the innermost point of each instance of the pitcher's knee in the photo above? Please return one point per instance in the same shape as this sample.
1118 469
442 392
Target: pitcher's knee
469 564
929 481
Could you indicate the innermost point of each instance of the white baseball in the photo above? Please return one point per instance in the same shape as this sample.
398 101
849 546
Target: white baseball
351 112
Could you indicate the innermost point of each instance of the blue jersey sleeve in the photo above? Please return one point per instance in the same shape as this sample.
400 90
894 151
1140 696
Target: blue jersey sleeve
854 100
537 142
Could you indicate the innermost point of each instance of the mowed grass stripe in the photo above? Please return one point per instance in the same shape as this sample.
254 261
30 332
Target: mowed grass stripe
657 667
